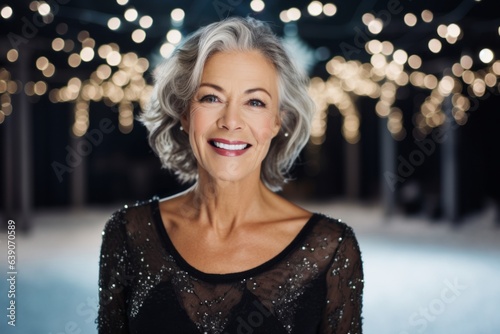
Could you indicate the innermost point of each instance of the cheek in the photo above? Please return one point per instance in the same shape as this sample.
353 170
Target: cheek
197 127
199 120
266 128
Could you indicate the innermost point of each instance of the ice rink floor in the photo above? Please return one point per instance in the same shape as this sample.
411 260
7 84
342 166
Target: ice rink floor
421 276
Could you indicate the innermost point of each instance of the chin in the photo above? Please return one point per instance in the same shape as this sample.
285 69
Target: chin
232 174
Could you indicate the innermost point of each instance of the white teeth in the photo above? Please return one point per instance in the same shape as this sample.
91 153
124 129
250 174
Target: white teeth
229 146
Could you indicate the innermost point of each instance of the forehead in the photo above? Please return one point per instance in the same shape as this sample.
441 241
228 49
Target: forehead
240 67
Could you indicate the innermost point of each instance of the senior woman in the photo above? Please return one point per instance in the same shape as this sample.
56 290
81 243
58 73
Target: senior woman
229 113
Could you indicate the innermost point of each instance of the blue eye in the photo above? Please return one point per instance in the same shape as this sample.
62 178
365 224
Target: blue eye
256 103
210 99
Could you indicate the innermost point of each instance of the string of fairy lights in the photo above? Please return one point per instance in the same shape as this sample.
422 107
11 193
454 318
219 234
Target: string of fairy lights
119 77
390 69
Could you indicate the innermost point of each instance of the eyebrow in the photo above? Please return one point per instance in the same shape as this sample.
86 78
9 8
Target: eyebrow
220 89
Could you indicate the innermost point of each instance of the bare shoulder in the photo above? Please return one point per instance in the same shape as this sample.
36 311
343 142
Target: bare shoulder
289 210
285 215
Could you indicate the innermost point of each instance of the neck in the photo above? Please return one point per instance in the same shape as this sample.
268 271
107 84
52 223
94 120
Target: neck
226 204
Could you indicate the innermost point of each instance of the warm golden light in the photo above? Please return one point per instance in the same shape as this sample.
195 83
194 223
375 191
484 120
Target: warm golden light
387 48
49 71
293 14
29 88
486 55
284 16
257 5
453 30
446 85
496 67
40 88
177 14
44 9
87 54
120 79
479 87
329 9
382 108
74 60
166 50
34 6
88 42
490 80
415 62
138 35
131 14
400 56
435 45
13 87
12 55
375 26
442 30
315 8
6 12
68 45
42 63
457 69
466 62
114 23
427 16
104 50
378 60
113 58
82 35
417 79
57 44
374 46
468 77
174 36
146 22
410 19
141 65
367 18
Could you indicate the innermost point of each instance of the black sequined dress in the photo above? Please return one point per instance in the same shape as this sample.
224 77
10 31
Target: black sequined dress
314 285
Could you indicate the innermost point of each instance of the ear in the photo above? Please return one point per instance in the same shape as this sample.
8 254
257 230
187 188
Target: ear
185 121
277 123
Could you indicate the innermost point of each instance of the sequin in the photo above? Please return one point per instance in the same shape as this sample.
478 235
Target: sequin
136 260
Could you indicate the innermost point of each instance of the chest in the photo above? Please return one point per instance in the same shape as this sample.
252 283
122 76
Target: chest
244 250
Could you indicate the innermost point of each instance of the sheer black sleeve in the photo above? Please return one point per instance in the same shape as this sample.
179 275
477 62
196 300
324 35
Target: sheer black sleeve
112 315
344 281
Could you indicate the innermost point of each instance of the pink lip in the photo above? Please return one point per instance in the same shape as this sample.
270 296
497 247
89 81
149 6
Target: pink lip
228 153
225 141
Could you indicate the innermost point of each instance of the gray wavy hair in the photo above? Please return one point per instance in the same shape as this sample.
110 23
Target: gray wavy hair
177 79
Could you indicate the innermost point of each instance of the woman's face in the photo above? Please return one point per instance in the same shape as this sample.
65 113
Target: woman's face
234 115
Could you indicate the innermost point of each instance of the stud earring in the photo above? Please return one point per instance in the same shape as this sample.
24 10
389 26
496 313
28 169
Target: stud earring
286 134
181 128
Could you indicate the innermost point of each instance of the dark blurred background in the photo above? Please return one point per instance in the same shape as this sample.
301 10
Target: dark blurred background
377 69
404 145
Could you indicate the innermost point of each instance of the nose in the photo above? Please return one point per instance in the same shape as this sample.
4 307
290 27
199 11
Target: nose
230 118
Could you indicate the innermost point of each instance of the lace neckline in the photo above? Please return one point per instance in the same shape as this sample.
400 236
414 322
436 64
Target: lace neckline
236 276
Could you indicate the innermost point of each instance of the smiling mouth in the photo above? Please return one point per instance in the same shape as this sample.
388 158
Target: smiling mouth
229 147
